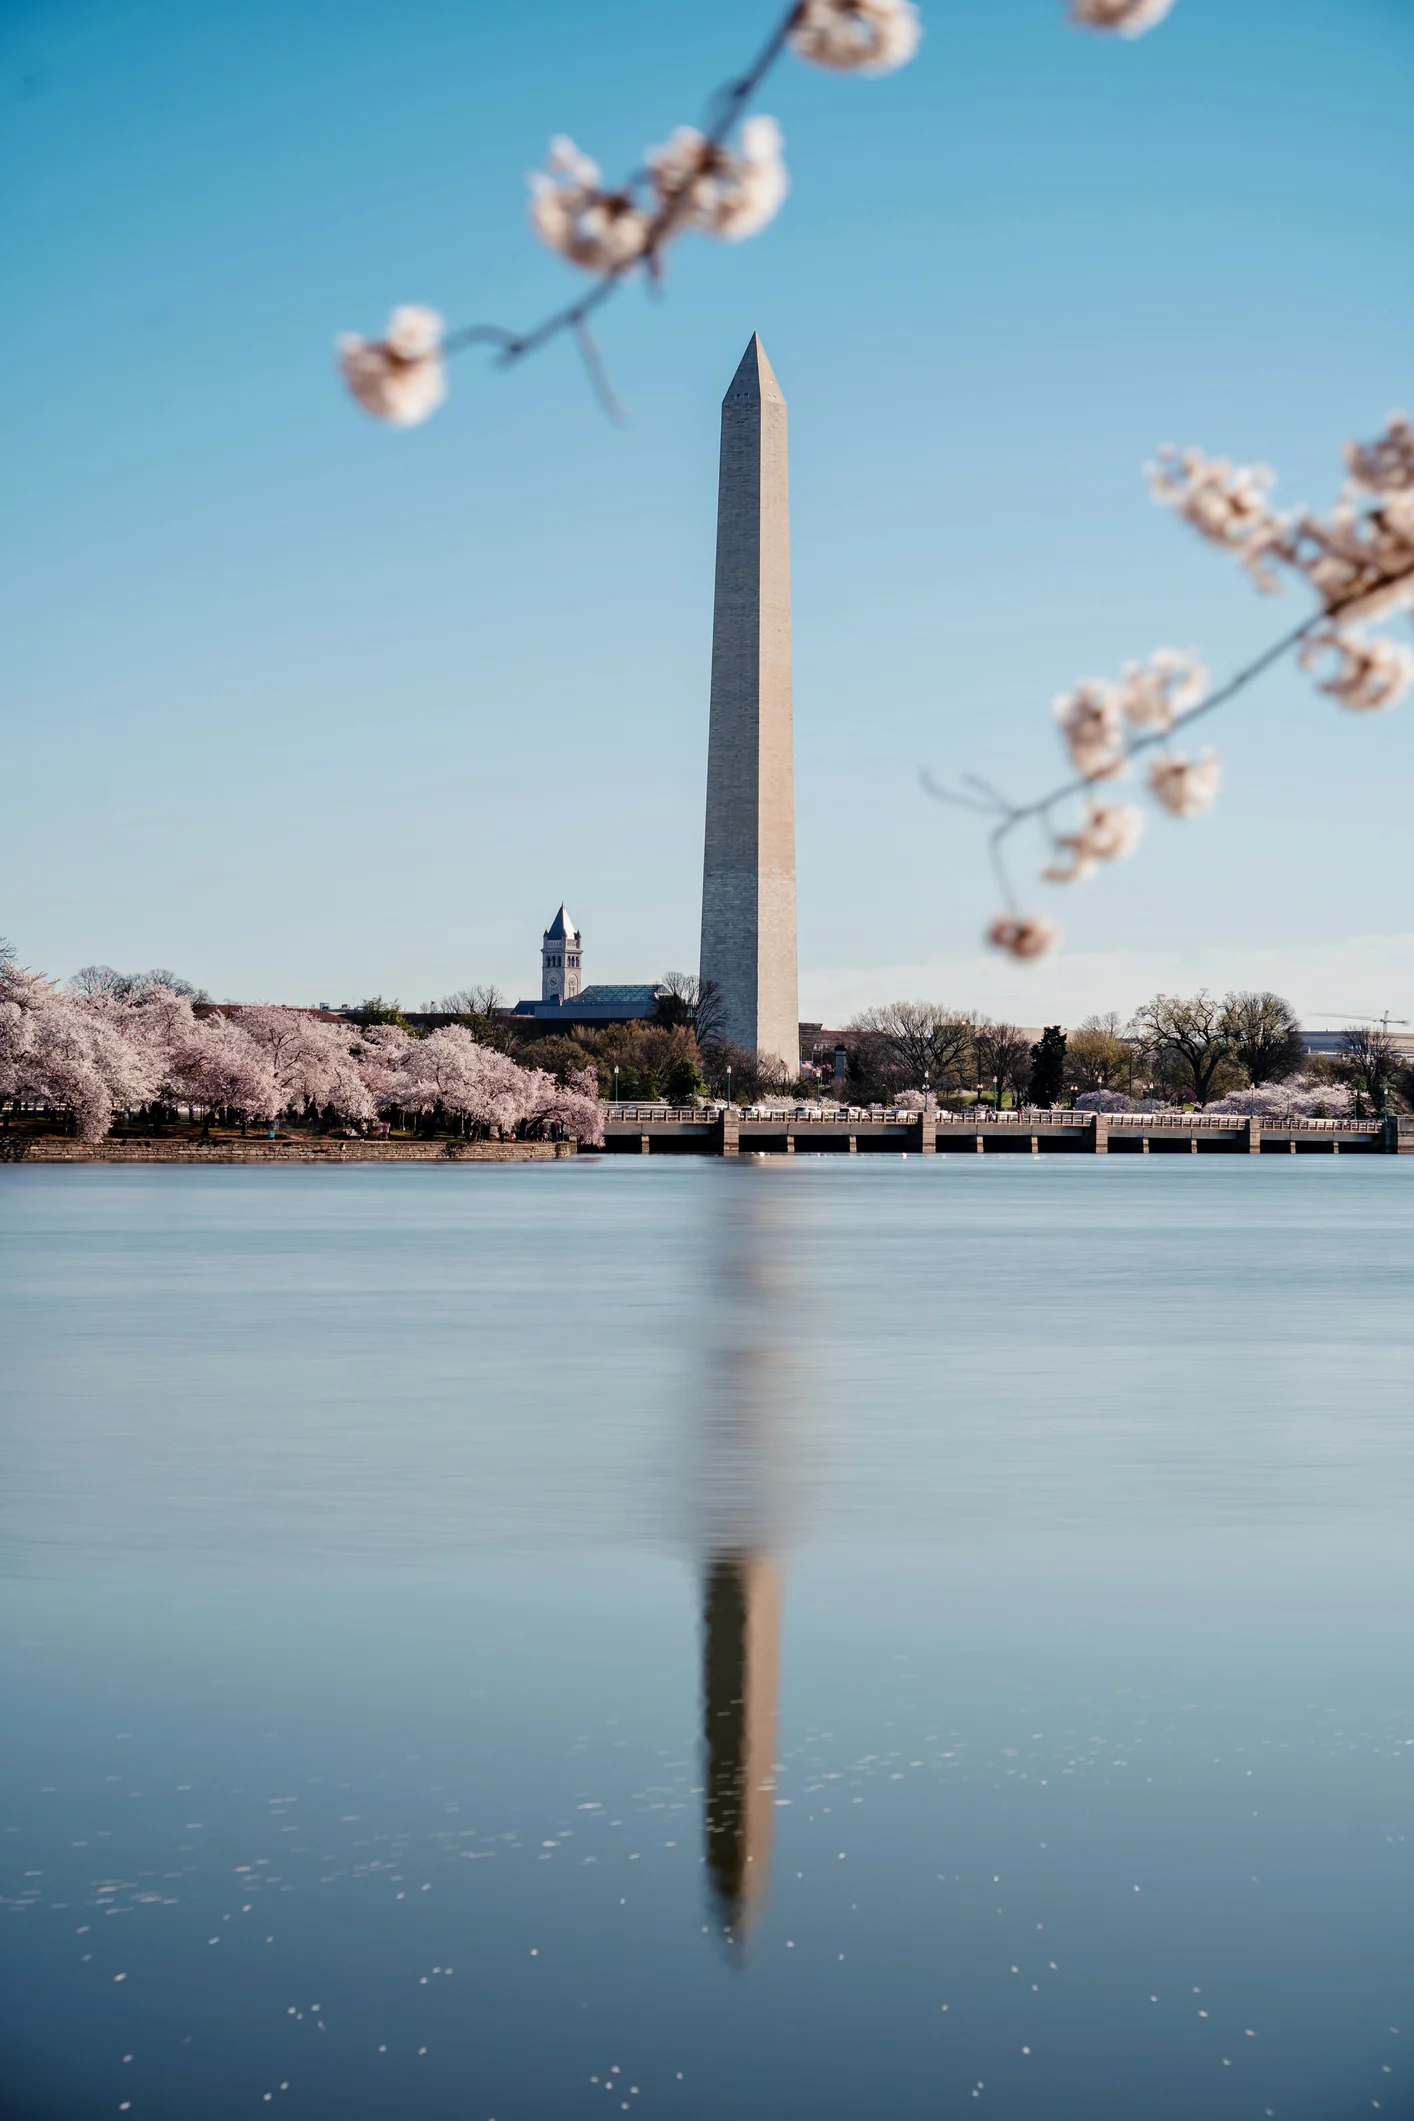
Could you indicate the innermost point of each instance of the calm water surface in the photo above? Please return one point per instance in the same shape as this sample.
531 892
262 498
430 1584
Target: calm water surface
885 1638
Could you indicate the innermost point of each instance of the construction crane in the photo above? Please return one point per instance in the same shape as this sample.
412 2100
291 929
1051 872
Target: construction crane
1351 1016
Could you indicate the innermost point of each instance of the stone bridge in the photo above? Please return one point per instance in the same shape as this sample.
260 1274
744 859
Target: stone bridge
656 1130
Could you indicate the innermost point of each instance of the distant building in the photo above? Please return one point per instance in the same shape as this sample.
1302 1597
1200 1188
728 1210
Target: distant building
563 997
560 951
1330 1044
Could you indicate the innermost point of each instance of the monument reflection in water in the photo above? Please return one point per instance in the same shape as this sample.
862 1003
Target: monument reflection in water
747 1507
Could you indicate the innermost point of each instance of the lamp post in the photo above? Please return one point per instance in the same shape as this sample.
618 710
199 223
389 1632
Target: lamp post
616 1086
729 1086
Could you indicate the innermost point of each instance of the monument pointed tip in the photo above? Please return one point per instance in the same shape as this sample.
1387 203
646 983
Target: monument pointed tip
755 378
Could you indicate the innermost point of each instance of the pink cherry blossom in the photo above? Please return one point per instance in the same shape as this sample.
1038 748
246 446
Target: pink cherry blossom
1026 938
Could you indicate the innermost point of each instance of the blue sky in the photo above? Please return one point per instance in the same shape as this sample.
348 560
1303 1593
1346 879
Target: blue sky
309 709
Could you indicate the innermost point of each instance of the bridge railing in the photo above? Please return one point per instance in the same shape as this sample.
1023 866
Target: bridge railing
645 1114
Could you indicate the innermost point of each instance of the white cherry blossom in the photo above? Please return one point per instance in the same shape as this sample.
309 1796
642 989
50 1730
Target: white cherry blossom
1110 832
1151 694
725 192
605 232
1185 787
1092 728
1385 465
1225 503
399 378
857 36
1121 18
1359 562
1362 673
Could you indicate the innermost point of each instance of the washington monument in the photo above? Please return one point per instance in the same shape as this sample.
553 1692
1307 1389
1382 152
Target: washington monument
748 871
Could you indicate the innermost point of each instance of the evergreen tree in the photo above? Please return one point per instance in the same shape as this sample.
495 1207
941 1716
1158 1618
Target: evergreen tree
1047 1067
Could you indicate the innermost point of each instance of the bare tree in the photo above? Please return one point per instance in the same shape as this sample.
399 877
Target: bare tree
1264 1036
126 986
1003 1056
1371 1063
686 1002
923 1041
470 1001
1190 1032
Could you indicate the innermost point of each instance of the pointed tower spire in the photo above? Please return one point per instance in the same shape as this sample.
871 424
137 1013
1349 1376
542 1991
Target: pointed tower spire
748 875
561 960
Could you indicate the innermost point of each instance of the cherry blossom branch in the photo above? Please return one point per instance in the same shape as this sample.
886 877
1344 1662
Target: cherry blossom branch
726 106
990 802
696 180
1359 560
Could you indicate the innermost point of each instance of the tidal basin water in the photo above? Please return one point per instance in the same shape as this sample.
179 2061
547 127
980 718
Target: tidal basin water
825 1638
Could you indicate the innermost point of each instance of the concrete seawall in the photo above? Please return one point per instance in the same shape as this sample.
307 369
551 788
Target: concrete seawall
56 1150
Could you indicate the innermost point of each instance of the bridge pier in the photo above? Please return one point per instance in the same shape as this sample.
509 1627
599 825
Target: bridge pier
1100 1137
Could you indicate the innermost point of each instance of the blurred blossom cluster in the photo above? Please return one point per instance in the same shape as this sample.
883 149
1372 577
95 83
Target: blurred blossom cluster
399 378
1110 831
603 231
1125 18
92 1055
1358 561
1024 937
856 36
728 181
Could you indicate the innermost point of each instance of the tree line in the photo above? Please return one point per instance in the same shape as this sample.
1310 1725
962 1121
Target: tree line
1193 1049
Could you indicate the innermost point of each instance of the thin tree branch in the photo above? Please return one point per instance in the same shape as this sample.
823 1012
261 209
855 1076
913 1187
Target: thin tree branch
724 108
1010 815
598 374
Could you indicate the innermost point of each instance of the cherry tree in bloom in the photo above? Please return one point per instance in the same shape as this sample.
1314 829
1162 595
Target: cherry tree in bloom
92 1054
473 1082
573 1106
59 1051
221 1066
401 377
380 1053
856 36
309 1062
1122 18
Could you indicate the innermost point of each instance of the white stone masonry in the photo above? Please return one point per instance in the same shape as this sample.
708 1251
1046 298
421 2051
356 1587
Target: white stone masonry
748 876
